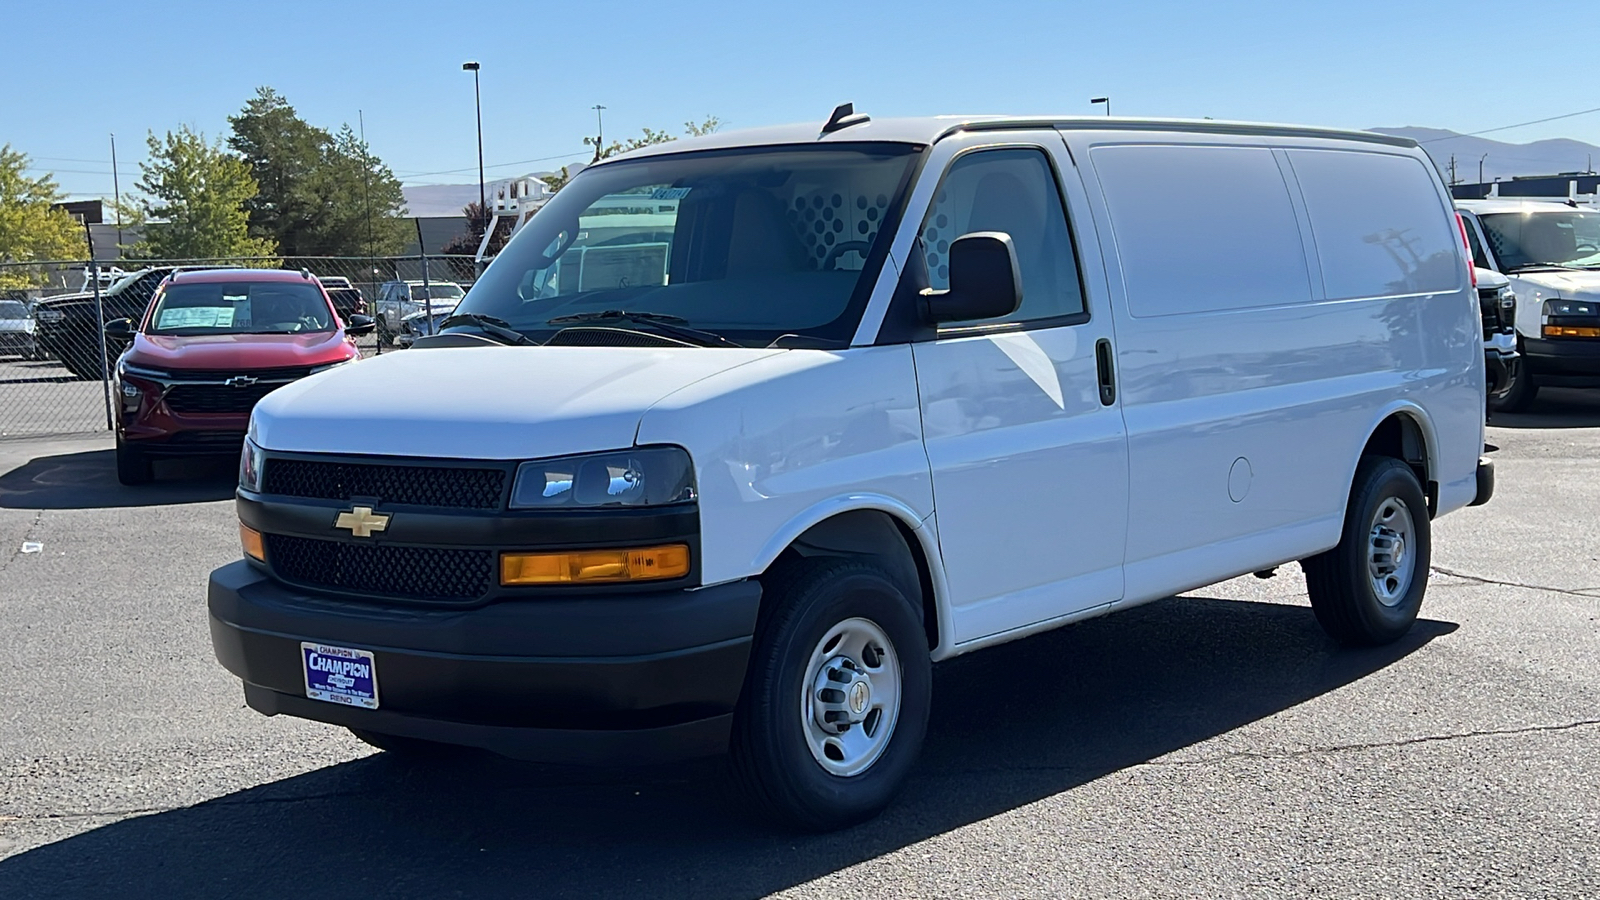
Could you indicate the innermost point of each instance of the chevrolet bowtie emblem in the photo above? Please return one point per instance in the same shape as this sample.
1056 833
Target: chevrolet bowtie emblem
240 381
362 521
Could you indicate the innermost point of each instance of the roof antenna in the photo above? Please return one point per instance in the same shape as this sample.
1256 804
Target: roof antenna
844 115
305 273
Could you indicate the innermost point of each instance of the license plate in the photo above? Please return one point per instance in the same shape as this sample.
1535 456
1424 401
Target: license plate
340 675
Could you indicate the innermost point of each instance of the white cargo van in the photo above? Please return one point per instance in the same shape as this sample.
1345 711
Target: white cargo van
869 396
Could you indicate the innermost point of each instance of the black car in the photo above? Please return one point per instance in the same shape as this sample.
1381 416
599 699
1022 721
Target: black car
68 328
347 301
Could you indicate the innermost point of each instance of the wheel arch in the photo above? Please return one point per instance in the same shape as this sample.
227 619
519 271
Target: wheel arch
1405 431
878 528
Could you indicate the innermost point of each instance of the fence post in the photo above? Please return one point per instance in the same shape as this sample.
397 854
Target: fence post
427 292
100 325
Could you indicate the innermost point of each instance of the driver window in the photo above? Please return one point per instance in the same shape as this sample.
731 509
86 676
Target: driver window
1012 191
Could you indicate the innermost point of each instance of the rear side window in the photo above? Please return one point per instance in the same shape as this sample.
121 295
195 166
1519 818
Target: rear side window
1202 229
1379 223
1012 191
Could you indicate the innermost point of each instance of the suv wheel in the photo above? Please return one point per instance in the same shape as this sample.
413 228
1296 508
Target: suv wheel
133 467
836 700
1368 590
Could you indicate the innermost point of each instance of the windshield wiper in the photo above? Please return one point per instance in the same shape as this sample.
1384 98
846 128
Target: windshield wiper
494 327
1543 265
674 326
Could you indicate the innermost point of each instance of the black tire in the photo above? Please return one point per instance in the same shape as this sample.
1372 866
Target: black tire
133 467
1342 583
1519 394
770 754
409 747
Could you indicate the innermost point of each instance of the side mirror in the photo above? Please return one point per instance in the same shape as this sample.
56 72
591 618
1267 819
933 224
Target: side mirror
984 281
360 325
120 329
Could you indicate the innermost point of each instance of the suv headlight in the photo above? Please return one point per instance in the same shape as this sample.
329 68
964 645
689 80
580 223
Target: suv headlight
642 476
250 460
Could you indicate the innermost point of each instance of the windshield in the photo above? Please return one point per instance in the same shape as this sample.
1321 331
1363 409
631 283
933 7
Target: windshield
259 307
445 291
1561 237
751 244
11 309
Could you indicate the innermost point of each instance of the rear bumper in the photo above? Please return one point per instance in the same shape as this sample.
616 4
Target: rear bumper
621 678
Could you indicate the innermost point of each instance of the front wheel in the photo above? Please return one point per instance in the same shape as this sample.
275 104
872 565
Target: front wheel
1368 590
837 695
133 467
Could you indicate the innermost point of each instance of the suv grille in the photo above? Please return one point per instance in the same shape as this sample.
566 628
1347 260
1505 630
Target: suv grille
446 487
217 398
418 573
1496 319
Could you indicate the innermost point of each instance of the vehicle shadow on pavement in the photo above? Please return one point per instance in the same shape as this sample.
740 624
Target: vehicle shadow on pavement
1555 408
88 480
1011 725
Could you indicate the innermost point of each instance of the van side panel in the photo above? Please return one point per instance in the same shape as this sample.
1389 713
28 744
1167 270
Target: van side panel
1247 393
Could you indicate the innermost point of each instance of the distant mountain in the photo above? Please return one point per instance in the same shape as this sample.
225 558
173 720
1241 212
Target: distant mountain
1504 161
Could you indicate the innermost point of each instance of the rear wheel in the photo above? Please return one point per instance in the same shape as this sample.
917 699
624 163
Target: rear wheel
133 467
1368 590
836 700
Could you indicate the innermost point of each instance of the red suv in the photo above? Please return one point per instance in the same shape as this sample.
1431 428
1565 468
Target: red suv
211 344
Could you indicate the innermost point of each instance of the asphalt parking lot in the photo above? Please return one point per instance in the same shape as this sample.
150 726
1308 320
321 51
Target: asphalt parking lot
1211 745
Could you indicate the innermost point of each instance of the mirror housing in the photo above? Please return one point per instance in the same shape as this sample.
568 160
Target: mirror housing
984 281
120 329
360 325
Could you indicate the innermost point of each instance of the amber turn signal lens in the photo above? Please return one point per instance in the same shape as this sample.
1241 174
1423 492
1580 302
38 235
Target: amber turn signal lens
251 539
1571 331
595 566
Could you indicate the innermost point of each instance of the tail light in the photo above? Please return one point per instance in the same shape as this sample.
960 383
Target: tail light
1466 246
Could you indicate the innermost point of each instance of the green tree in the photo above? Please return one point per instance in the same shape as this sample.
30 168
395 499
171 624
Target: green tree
284 153
360 203
194 203
30 227
319 190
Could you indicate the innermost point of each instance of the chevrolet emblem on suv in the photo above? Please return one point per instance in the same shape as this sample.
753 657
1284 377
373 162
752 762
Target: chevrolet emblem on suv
362 521
240 381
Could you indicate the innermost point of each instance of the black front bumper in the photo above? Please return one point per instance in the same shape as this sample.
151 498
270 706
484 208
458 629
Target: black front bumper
1577 359
648 677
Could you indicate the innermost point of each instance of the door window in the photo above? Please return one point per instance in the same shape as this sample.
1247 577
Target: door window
1013 191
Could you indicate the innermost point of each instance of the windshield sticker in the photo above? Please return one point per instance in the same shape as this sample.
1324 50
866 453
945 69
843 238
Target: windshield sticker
665 193
196 317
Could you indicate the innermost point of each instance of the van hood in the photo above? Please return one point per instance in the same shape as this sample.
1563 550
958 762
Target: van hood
229 352
1565 284
484 402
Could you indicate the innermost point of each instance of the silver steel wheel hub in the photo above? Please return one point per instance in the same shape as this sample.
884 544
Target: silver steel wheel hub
1391 564
852 697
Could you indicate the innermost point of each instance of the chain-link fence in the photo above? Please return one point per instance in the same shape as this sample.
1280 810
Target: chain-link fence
57 361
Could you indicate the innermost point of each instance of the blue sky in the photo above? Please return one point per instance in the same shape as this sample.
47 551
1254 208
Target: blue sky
90 68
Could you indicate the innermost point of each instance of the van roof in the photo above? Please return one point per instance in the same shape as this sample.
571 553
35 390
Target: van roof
1516 205
930 129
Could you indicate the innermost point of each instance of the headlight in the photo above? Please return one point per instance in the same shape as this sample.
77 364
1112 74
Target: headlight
643 476
250 467
1571 308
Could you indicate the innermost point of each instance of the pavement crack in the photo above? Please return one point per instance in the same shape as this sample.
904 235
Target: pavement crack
1381 745
1480 579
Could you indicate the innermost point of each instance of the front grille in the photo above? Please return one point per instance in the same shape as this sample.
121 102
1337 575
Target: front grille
439 486
416 573
1496 319
218 398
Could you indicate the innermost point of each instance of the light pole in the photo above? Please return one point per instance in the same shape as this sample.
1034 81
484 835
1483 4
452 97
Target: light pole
1480 167
600 130
1105 100
477 101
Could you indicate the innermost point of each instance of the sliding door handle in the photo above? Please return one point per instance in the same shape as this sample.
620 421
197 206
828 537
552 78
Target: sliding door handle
1105 369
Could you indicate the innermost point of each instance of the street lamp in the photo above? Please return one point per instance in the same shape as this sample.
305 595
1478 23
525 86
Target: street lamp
477 100
1105 100
1480 167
